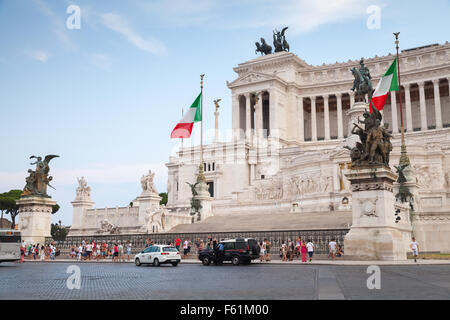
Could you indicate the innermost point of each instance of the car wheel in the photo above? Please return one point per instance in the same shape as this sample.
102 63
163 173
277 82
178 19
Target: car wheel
206 261
137 262
236 260
174 264
156 262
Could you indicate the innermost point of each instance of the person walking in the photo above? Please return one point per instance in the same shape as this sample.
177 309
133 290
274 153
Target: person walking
116 252
128 250
262 251
303 251
310 248
121 252
185 248
268 245
415 248
283 251
22 252
42 256
332 248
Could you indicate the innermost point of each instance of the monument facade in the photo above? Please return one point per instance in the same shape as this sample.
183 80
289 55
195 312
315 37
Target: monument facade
291 123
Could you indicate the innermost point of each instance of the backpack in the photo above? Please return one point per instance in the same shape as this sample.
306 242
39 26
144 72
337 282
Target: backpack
220 247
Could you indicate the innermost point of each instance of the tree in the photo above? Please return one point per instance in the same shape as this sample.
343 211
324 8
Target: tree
55 208
58 232
8 204
164 198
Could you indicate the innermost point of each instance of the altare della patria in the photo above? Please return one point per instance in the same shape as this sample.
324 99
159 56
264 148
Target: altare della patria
309 155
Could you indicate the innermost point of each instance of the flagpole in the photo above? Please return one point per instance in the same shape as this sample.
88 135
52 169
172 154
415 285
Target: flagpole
201 176
182 140
404 157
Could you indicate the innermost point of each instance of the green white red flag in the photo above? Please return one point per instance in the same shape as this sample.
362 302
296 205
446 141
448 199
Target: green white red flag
184 128
388 82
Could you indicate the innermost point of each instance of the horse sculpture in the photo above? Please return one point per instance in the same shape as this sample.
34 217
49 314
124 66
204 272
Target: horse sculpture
264 48
362 86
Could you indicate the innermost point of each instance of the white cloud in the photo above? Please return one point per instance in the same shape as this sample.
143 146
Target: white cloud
101 61
39 55
118 24
58 23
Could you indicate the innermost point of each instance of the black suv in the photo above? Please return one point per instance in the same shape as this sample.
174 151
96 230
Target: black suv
235 250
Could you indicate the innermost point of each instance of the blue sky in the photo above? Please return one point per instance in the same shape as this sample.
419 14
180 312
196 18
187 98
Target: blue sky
105 97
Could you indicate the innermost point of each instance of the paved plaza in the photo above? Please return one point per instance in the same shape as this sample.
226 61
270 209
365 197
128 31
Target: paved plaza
191 281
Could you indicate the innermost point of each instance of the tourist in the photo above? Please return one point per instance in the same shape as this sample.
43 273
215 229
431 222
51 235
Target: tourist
52 252
283 250
201 246
310 247
185 247
303 251
415 248
262 252
339 252
116 252
291 250
268 245
121 252
72 252
33 252
42 256
128 250
80 252
104 250
298 244
88 251
98 251
22 252
177 243
332 248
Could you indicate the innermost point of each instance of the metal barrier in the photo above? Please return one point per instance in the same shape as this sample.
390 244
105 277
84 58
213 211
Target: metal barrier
320 238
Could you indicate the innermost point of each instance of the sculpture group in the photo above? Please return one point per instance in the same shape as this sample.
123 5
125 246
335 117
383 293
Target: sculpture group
375 145
147 183
279 43
38 180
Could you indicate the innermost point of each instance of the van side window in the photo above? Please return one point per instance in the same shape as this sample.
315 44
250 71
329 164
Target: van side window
228 246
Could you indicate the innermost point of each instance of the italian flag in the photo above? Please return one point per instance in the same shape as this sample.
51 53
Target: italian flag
184 128
388 82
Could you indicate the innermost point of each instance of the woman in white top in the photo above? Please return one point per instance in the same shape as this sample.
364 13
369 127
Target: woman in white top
262 252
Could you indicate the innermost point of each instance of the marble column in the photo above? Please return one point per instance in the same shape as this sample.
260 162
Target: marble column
423 107
235 115
339 116
326 117
409 126
258 115
394 112
313 119
437 104
352 98
248 123
301 119
273 127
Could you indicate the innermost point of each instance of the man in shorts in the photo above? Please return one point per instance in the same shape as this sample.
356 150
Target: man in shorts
415 248
310 248
332 247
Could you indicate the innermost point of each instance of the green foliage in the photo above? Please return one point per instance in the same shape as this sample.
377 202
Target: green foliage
58 232
8 203
55 208
164 198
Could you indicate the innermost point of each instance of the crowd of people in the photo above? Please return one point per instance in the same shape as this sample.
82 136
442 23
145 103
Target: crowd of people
116 252
37 252
86 250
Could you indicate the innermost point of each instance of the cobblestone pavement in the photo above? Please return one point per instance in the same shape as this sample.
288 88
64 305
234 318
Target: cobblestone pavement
193 281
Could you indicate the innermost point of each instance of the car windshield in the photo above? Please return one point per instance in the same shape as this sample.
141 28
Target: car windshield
170 249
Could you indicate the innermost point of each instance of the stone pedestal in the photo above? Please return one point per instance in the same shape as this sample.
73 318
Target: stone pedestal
147 200
374 235
205 201
35 218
